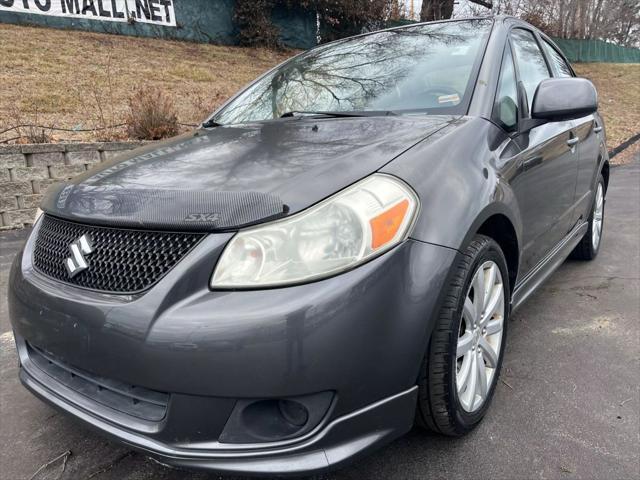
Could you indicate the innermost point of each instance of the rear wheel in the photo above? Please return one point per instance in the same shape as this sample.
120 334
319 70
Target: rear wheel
463 361
589 246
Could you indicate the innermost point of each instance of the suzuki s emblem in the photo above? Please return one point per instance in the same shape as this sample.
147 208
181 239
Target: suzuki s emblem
77 261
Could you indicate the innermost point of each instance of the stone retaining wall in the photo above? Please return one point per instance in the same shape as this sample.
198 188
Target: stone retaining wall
26 171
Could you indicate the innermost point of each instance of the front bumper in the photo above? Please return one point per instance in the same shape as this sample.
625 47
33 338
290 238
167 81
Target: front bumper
343 439
360 336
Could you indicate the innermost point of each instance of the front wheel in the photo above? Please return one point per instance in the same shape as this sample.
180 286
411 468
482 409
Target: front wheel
464 357
589 246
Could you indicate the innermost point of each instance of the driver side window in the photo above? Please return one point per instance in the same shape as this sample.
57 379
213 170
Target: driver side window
505 110
532 66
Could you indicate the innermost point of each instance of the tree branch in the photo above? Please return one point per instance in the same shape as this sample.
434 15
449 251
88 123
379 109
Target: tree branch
484 4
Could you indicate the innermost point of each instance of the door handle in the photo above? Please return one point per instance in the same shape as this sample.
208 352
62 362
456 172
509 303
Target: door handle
572 141
597 129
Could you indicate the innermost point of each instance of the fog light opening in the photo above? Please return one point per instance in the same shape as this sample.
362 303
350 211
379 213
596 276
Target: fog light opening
275 419
293 412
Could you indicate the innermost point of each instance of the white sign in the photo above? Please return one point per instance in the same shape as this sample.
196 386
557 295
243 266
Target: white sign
157 12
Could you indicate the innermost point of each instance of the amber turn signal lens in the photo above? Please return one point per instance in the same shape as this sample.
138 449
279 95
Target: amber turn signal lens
385 226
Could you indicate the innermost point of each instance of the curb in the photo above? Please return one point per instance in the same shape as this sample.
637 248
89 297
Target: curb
624 145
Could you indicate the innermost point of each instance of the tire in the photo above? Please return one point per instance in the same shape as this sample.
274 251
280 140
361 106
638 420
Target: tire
441 408
588 248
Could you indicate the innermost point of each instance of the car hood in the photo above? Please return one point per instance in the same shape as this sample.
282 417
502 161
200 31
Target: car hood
232 176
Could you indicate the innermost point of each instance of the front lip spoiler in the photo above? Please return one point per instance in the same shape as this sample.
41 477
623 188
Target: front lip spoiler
342 440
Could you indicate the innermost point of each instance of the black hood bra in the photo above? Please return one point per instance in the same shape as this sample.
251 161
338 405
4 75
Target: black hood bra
182 210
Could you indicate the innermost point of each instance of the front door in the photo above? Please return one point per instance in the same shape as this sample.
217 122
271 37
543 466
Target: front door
590 134
545 188
547 166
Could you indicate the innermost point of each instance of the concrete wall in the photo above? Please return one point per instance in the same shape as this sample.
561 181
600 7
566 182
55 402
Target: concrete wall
205 21
26 171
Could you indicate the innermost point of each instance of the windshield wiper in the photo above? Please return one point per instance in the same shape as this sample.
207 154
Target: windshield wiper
211 123
354 113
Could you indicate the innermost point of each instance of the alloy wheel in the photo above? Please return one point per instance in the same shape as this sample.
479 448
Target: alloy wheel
598 211
480 336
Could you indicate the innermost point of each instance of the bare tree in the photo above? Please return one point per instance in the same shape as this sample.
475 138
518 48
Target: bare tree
443 9
436 10
616 21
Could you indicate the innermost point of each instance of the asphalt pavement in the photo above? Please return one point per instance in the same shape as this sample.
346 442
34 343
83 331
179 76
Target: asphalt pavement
567 405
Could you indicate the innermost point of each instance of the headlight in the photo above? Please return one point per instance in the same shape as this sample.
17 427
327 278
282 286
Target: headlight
349 228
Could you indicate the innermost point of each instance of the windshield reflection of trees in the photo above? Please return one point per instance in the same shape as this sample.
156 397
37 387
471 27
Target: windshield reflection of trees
383 71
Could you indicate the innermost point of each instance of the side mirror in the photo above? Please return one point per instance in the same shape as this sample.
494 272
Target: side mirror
559 99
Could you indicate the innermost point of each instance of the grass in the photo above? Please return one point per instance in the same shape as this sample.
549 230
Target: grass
79 79
619 96
83 80
618 87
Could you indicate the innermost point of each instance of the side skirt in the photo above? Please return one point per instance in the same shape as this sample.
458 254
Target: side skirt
547 266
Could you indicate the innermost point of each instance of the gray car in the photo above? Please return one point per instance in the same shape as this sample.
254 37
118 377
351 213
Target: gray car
330 258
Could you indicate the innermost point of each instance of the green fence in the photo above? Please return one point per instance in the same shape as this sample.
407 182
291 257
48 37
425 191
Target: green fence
597 51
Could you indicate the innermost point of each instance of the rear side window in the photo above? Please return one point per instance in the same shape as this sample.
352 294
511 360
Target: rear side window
561 67
505 111
530 61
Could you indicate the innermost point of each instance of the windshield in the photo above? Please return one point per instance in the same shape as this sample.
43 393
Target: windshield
424 68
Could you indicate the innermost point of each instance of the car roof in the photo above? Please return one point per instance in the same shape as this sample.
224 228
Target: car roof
495 18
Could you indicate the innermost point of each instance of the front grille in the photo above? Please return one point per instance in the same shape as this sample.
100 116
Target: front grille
131 400
122 261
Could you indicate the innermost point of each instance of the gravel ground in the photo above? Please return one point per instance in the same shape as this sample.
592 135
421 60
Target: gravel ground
567 406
